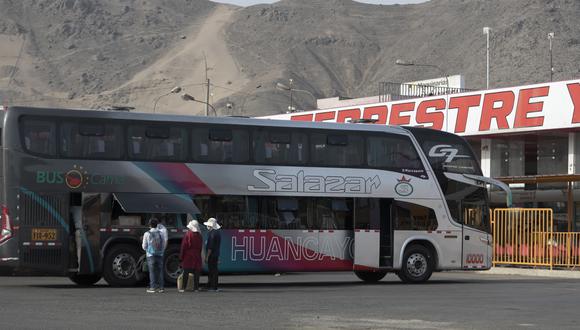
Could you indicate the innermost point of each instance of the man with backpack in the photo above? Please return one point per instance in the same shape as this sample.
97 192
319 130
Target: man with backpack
154 245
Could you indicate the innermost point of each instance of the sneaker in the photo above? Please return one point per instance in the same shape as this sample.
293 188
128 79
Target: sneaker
181 291
160 290
150 290
196 290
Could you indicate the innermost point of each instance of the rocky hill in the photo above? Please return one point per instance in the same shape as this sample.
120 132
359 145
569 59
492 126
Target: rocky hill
90 53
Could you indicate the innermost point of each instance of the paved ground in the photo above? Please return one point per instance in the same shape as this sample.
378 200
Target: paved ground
313 301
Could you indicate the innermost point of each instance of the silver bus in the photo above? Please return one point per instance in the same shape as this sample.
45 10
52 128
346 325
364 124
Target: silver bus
78 187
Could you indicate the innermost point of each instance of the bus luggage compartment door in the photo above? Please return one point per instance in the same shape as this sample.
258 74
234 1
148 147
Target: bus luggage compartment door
44 231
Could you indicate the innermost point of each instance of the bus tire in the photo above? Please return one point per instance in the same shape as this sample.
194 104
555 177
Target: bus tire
417 264
85 279
120 265
171 264
370 277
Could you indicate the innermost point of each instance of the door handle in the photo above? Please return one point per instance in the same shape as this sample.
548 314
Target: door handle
467 237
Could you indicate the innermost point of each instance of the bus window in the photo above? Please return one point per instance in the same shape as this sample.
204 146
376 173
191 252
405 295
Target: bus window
157 143
392 152
336 150
272 147
84 140
220 145
38 136
368 213
410 216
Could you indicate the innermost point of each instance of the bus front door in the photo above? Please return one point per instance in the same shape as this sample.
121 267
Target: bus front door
44 231
373 234
476 241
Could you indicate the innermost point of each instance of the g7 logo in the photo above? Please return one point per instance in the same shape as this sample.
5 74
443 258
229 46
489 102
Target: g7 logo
445 150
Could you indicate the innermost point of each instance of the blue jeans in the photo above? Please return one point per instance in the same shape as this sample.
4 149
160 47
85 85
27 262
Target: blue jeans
155 264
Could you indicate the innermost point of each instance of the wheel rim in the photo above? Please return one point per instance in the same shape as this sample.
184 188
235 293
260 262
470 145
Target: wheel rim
124 266
172 267
417 264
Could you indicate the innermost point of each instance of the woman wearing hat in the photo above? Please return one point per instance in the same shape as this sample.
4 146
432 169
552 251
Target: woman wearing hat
213 253
190 254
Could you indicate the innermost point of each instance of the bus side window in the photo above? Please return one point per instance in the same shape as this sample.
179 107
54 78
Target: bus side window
336 149
368 213
220 145
39 136
410 216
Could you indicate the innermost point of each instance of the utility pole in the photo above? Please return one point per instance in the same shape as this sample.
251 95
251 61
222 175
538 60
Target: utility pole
291 104
208 84
487 31
550 37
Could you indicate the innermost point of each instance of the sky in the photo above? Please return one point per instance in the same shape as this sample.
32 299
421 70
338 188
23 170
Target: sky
253 2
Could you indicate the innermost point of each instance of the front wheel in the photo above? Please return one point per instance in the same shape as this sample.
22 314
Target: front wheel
85 279
120 265
370 277
418 264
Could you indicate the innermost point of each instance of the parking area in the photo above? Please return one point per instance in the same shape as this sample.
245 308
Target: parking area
309 300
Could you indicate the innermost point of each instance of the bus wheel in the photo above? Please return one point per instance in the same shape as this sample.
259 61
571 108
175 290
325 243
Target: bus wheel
171 265
417 264
370 277
85 279
120 265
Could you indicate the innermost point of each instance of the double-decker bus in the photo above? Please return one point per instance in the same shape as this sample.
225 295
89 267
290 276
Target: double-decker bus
78 187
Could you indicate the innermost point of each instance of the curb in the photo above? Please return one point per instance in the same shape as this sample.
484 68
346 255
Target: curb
574 274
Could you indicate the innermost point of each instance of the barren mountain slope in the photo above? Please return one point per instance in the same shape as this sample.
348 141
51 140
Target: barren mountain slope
70 51
340 47
89 53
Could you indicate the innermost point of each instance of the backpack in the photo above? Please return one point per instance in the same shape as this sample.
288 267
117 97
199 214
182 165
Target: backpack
155 243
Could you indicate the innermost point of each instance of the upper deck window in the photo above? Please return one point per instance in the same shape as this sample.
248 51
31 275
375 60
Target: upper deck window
220 145
39 136
336 149
91 140
392 152
156 142
273 147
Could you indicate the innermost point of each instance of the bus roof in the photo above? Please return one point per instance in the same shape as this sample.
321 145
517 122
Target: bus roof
123 115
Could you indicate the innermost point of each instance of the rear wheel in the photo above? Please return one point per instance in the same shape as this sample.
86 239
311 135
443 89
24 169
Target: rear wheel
120 265
85 279
171 265
370 277
418 264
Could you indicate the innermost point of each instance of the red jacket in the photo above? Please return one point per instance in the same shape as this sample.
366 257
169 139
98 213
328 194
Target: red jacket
190 255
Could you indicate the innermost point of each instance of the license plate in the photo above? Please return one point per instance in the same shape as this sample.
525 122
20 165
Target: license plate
42 234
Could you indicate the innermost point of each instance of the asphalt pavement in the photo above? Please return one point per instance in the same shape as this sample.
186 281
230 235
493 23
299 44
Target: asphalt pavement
305 301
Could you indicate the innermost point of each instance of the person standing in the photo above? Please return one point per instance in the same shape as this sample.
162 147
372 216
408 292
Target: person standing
154 247
190 254
213 253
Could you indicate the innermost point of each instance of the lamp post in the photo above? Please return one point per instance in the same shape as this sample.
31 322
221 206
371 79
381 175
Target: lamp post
187 97
487 32
410 63
291 89
174 90
550 37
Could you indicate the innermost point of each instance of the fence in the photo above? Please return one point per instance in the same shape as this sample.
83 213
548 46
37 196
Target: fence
526 237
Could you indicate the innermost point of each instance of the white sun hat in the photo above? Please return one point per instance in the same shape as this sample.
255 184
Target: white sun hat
212 223
193 225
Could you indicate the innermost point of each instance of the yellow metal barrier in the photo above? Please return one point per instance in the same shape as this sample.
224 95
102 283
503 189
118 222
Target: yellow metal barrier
523 237
526 237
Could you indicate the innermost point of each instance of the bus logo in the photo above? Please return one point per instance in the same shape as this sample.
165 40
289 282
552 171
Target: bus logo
404 187
73 179
447 151
271 180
